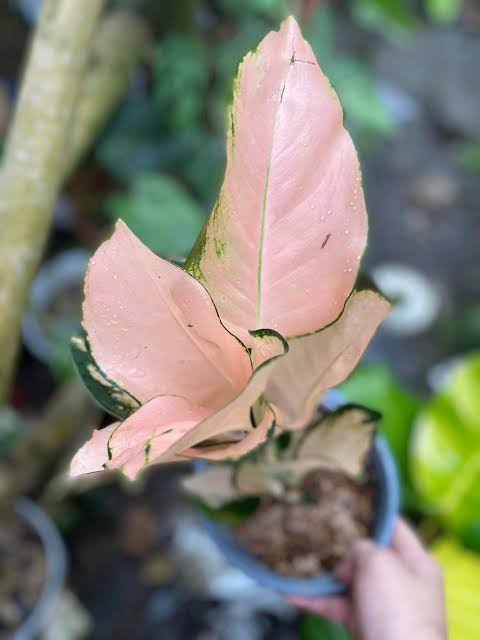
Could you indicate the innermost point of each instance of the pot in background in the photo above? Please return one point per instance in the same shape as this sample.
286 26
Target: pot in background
56 569
58 283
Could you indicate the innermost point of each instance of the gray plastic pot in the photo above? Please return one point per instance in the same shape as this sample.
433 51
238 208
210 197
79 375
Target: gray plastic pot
66 270
56 569
387 502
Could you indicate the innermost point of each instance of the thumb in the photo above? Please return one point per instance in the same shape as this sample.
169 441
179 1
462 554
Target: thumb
361 550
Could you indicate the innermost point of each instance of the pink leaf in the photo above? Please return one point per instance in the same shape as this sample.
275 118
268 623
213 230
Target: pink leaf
213 485
150 433
266 344
154 330
235 416
166 428
93 456
235 450
283 244
322 360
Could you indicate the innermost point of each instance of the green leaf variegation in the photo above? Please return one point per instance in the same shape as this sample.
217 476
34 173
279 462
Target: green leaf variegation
106 392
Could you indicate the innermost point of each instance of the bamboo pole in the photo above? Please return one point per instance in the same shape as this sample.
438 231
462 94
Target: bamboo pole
121 42
34 157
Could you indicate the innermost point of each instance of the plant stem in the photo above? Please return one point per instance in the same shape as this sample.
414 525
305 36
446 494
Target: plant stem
32 169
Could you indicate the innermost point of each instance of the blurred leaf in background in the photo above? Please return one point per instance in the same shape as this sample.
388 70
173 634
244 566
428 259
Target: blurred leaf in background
462 585
230 51
180 128
316 628
443 11
351 78
61 364
374 386
445 453
203 167
12 427
160 212
137 140
468 155
396 17
273 9
461 329
392 18
181 73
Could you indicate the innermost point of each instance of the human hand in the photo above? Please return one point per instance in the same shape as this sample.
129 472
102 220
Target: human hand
394 594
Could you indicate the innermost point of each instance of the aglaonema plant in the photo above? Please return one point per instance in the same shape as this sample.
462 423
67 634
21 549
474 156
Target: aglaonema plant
214 360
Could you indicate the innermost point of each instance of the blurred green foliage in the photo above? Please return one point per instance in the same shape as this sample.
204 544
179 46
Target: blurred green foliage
61 364
445 453
160 213
392 14
396 16
317 628
468 155
374 386
12 427
443 10
461 329
177 127
351 78
461 569
273 9
230 514
181 80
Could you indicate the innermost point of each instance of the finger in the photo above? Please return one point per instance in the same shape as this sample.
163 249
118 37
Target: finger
335 608
408 547
358 556
362 551
344 571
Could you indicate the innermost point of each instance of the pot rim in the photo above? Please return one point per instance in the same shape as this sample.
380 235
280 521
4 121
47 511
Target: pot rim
65 269
56 568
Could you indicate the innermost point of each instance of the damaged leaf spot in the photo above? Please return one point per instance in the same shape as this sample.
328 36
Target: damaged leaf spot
148 448
306 62
327 238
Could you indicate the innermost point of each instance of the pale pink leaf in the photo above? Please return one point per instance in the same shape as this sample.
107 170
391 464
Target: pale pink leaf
266 344
236 416
282 246
235 450
322 360
255 478
213 485
151 431
153 329
166 428
93 456
341 441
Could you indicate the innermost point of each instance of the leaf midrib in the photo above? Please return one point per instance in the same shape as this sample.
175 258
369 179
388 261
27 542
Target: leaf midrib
258 318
